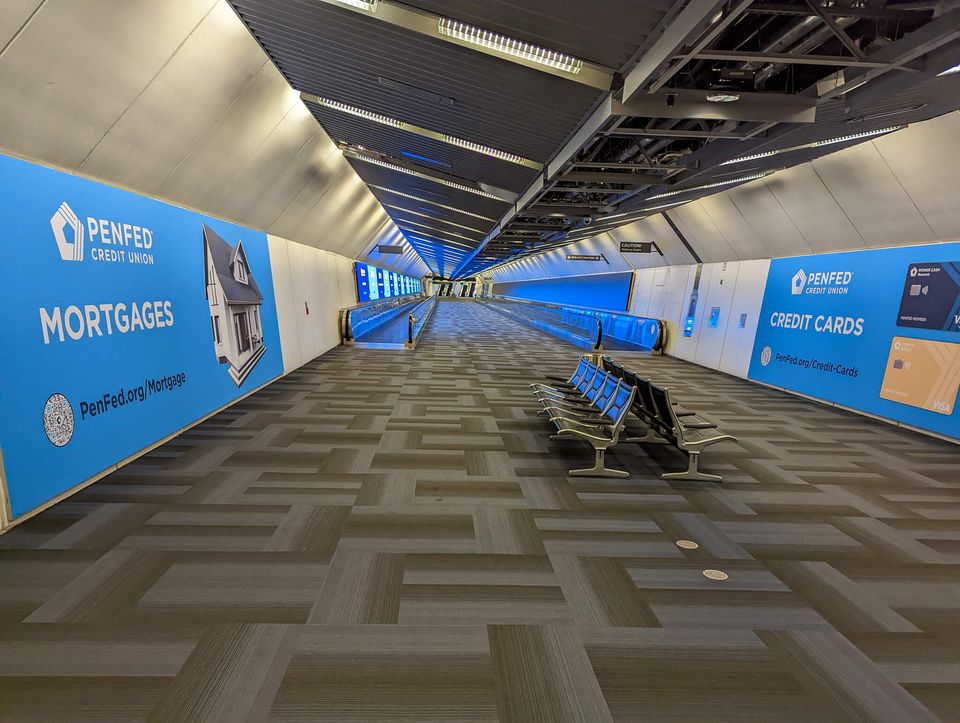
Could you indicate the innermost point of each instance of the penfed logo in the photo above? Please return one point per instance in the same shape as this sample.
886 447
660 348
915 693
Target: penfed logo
100 239
799 281
821 283
68 232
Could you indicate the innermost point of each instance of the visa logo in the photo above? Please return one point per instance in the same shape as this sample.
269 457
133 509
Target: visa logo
956 318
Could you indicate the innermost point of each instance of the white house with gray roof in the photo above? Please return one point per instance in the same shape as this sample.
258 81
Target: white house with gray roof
235 301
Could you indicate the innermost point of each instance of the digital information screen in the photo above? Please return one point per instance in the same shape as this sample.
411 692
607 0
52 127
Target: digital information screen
375 283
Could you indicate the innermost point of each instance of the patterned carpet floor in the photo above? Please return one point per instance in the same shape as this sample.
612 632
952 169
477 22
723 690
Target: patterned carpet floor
388 535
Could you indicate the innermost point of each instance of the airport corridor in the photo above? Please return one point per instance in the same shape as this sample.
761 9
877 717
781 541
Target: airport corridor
392 535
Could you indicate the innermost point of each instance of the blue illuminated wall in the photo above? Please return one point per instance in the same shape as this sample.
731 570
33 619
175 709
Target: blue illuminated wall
598 291
126 320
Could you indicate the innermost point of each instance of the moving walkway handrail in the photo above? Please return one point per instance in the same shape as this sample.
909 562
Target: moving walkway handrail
622 326
372 310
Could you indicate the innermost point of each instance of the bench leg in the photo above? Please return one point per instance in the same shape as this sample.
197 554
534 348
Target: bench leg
599 469
692 472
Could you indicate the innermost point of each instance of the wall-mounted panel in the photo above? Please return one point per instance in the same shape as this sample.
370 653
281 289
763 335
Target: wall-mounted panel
743 317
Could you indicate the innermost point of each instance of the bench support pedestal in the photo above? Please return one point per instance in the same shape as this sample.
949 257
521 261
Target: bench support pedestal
599 469
692 472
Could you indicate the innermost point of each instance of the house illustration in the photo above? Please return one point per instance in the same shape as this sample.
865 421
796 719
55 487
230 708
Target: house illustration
235 300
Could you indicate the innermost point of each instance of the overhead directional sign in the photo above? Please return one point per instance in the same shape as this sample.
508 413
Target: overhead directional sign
586 257
636 247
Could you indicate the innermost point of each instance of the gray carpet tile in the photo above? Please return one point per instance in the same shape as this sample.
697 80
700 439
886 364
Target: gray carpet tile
392 535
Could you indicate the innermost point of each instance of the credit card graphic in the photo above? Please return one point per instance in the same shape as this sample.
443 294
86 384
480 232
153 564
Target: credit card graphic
931 296
922 373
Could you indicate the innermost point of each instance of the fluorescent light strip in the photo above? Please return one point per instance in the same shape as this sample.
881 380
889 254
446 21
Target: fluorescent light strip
433 218
815 144
452 246
510 46
742 179
485 150
751 157
857 136
950 71
431 228
369 5
432 203
359 112
410 171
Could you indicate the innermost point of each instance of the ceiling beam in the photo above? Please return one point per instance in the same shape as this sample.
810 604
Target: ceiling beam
734 13
749 56
694 16
629 179
841 34
938 32
628 166
847 10
758 107
662 133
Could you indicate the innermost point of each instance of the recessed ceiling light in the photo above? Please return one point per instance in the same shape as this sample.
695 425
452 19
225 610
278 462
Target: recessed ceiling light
432 203
719 97
485 150
728 182
510 46
751 157
369 5
360 112
858 136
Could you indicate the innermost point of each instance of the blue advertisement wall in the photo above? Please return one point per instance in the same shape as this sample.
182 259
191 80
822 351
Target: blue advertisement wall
126 319
877 331
598 291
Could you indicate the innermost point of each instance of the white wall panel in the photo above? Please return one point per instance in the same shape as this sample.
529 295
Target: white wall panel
717 292
685 347
286 302
747 298
642 291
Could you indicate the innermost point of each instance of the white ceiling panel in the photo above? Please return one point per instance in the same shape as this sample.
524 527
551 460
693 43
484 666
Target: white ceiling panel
78 65
15 14
231 140
813 210
180 104
734 228
759 207
268 175
701 232
926 161
872 197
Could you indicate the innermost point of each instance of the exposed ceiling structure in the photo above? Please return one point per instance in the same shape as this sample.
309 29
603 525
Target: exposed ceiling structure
498 129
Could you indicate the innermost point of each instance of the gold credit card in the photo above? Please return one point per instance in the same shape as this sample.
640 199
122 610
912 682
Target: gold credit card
922 373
